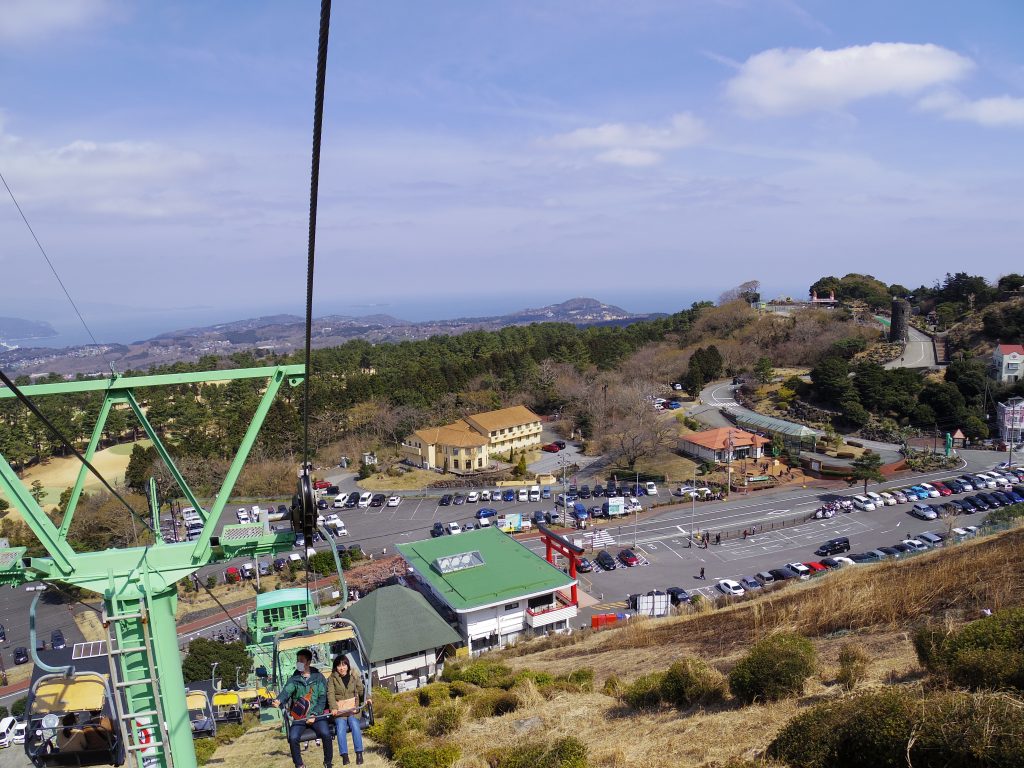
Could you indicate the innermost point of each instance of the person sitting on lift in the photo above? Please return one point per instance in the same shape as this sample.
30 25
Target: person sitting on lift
345 690
305 698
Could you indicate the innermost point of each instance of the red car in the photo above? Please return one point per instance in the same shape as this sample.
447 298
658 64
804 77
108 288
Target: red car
816 567
551 448
232 575
321 484
943 490
628 557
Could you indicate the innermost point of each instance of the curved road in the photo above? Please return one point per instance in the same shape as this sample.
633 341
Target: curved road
919 353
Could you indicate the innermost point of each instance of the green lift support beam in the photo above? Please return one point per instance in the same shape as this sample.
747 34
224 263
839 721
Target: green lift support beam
138 585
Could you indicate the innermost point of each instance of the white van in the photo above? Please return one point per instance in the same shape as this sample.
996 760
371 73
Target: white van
19 733
7 731
535 493
524 495
364 500
862 503
339 500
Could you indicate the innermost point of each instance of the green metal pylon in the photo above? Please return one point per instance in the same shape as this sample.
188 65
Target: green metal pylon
139 585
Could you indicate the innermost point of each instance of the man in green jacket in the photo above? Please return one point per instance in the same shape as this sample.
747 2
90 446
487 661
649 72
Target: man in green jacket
304 697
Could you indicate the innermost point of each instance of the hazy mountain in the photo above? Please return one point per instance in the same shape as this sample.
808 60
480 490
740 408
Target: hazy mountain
281 334
19 329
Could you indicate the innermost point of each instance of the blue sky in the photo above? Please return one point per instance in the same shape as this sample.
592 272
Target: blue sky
495 155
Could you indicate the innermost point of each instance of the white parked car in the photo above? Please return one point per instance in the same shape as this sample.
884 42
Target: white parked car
923 512
364 499
332 520
473 497
863 503
802 570
454 528
915 544
340 529
485 495
19 733
843 561
729 587
652 489
523 495
933 492
394 501
242 515
339 500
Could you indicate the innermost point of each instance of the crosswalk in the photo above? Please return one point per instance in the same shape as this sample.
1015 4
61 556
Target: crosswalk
600 539
610 605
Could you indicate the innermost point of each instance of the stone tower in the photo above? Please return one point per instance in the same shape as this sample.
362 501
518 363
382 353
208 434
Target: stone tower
900 315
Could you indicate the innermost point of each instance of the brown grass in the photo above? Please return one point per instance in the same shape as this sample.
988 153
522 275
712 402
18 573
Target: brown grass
88 623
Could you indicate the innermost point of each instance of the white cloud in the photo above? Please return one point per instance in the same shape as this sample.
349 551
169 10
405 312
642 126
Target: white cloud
634 144
23 21
792 81
994 111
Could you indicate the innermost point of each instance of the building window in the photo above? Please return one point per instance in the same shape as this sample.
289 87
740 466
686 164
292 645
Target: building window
455 463
479 462
512 606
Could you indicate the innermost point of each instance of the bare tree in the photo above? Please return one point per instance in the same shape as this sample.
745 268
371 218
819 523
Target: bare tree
748 291
638 431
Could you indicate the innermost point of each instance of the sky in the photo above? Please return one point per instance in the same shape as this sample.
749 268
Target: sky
481 156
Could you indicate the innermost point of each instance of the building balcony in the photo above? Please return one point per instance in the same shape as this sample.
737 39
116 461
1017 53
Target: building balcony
562 610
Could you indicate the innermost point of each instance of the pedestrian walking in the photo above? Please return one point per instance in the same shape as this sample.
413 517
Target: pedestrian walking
744 533
718 538
702 573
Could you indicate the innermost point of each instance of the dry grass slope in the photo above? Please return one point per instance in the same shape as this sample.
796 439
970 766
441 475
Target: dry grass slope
873 607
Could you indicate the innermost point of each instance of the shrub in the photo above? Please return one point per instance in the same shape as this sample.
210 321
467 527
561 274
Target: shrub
988 653
433 694
204 750
961 730
891 727
775 668
228 733
928 641
441 755
691 681
494 703
392 732
486 674
612 686
460 688
3 713
18 707
853 666
644 692
568 752
583 678
446 720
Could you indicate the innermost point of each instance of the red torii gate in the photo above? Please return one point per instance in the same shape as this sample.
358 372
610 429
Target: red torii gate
554 542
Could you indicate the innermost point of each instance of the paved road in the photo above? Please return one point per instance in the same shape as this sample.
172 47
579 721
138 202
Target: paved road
919 352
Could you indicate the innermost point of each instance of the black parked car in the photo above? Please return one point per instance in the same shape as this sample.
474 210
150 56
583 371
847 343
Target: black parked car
351 501
863 558
3 634
459 499
322 504
978 503
446 500
437 530
585 492
21 655
280 564
57 640
1003 498
378 500
560 444
598 491
991 499
783 574
584 566
282 510
902 548
605 560
538 517
677 595
968 506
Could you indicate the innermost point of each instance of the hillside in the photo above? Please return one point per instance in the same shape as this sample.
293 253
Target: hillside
858 607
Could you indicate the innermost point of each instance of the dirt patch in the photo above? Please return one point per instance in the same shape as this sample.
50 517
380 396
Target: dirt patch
88 623
413 480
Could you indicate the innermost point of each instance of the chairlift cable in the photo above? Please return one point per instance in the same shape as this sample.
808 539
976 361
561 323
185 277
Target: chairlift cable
70 446
314 189
53 269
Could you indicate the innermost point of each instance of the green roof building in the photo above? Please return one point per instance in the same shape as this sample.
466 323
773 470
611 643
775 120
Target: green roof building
498 589
403 635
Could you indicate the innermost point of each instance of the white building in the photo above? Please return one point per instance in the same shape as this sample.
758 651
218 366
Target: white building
1007 360
498 590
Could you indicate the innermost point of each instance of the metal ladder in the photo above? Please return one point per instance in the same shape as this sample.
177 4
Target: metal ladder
121 687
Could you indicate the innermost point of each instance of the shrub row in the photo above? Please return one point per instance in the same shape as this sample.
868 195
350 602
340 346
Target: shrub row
776 667
895 727
988 653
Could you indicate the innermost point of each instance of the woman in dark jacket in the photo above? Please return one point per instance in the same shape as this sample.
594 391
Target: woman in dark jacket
345 692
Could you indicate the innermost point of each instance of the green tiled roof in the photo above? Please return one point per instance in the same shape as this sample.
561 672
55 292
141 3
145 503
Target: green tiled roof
509 571
280 597
397 621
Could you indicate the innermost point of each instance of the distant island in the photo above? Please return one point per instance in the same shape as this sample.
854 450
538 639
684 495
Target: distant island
283 334
19 329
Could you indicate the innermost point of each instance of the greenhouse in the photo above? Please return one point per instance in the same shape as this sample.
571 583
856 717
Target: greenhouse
796 437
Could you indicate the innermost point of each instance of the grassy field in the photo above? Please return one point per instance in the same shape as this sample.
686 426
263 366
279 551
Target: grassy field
413 480
58 474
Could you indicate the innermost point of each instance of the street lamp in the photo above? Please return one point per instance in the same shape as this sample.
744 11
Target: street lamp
213 675
693 501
